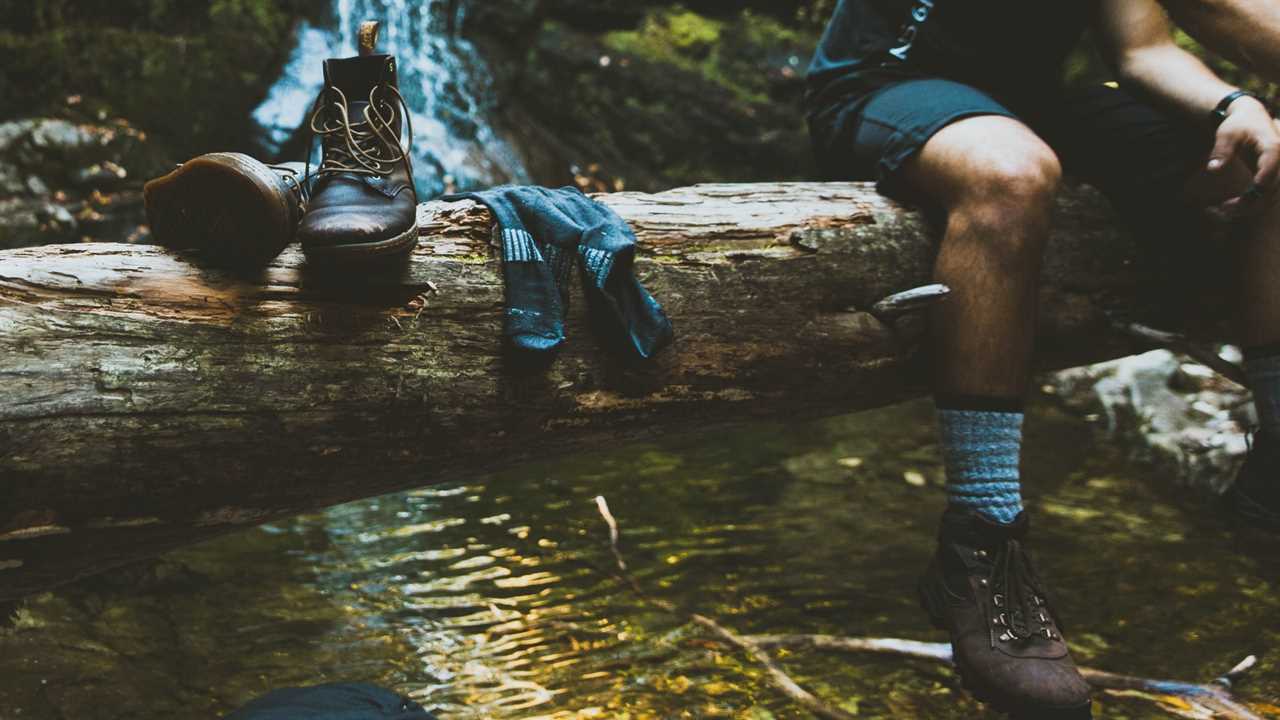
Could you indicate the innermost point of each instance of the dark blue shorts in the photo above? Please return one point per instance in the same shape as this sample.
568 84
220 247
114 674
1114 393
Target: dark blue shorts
1135 152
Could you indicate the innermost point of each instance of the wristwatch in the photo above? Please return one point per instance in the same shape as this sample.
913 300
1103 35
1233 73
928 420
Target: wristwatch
1220 113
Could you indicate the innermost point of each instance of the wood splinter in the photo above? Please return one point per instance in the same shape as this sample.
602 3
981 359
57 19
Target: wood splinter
910 301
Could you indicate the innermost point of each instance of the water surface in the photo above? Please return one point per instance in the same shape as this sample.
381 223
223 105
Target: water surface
480 598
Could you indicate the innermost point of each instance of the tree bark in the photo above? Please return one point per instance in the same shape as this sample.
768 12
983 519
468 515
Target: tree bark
147 402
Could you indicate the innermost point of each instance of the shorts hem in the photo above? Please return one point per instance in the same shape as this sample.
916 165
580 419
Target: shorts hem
907 145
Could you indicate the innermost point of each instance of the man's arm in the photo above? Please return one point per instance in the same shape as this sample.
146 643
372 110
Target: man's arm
1138 38
1245 31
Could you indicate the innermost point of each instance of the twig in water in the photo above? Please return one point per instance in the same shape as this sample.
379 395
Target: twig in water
1188 700
783 682
1209 700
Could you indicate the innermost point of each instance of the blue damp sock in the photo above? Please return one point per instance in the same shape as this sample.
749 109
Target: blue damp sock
982 449
534 322
1262 366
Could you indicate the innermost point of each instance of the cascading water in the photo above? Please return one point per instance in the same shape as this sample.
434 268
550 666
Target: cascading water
443 79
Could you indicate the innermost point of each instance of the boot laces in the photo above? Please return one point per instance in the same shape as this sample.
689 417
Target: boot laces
1017 592
367 146
298 185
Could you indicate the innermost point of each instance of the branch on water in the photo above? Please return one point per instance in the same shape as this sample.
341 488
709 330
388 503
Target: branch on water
1191 700
1206 701
777 676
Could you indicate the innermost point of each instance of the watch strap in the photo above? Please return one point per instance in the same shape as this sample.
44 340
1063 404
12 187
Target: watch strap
1220 112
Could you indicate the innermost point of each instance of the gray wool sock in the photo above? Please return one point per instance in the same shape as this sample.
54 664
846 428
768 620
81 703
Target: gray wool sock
982 450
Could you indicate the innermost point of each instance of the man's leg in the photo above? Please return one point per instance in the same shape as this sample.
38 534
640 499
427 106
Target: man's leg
1256 493
996 181
958 149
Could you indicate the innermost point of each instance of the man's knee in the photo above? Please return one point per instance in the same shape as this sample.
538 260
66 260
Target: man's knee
1007 205
1016 180
988 160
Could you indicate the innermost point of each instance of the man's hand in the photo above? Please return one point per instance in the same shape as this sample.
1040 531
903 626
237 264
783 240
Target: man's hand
1249 134
1138 40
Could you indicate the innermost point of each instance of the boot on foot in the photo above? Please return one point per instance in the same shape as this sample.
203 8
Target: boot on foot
1006 643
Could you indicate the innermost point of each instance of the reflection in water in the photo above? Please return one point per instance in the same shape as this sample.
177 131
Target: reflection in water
443 79
479 599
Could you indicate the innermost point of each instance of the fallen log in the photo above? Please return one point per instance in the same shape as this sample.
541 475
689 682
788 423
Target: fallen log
148 402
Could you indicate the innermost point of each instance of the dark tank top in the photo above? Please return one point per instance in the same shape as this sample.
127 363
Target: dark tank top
992 44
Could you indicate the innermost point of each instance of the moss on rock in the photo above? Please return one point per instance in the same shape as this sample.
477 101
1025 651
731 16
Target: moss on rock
189 75
657 95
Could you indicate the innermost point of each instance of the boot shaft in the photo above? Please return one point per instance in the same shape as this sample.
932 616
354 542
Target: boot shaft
361 119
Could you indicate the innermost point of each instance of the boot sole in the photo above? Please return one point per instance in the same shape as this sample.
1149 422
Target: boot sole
227 205
988 696
392 247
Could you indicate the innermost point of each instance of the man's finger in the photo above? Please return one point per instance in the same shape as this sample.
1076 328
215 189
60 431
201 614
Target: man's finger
1268 168
1224 151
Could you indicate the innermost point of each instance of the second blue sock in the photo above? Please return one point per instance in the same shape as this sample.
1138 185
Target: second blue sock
982 450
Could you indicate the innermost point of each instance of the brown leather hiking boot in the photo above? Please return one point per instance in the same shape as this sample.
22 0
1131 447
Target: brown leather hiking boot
363 204
1007 646
233 208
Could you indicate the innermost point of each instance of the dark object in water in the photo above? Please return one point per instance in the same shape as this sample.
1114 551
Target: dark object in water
332 701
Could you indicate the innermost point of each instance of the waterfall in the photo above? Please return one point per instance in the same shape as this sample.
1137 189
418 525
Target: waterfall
444 81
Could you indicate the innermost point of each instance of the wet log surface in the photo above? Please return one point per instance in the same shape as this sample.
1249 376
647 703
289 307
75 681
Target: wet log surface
147 402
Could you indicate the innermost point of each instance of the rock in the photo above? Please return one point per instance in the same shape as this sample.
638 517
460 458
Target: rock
60 180
25 222
63 137
1231 354
13 130
1170 410
36 186
653 94
103 174
11 182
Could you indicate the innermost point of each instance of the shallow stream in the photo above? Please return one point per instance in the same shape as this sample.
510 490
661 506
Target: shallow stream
479 598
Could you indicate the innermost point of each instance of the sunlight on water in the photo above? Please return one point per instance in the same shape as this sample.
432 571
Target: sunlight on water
444 81
490 599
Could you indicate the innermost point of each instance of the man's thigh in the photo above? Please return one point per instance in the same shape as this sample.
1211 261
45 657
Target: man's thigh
1140 155
881 134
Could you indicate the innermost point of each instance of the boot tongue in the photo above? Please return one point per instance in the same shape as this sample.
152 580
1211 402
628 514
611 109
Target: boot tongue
357 76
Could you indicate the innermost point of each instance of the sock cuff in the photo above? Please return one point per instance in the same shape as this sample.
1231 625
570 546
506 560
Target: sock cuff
519 246
598 263
979 420
983 403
